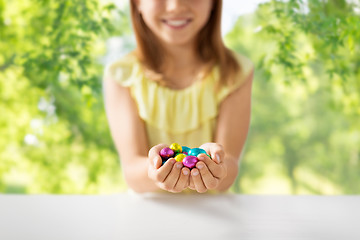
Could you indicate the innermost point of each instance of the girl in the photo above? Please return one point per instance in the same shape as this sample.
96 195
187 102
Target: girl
180 84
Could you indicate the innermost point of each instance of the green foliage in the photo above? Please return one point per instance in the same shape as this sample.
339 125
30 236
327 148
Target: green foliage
305 130
53 126
321 35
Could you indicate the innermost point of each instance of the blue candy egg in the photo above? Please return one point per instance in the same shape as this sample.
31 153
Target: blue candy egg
196 151
185 149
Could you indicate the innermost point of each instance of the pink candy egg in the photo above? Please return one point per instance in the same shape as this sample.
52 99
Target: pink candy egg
190 161
166 153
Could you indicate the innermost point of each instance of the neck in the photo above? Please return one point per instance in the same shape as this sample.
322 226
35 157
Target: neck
180 57
183 58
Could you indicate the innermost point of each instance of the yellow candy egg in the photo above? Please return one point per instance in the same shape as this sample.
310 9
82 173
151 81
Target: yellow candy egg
180 157
176 148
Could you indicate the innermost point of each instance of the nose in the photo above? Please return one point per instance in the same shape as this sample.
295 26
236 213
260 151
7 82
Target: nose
175 5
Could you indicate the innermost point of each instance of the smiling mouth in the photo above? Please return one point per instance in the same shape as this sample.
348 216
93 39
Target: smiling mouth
176 24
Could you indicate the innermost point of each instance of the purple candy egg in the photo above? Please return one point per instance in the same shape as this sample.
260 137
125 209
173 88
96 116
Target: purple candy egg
166 153
190 161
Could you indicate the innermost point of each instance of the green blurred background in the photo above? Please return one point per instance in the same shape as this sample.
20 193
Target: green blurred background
305 127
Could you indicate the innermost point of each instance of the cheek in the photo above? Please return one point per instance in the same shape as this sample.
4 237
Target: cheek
150 14
204 5
203 10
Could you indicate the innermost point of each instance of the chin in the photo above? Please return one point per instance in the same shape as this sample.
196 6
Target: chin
178 42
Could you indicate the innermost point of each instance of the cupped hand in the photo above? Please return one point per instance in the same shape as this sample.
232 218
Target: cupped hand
171 176
209 172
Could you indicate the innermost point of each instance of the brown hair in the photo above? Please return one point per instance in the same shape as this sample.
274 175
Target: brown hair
210 45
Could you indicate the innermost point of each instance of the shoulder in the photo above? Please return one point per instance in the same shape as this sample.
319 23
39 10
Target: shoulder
245 64
242 79
122 70
245 76
239 94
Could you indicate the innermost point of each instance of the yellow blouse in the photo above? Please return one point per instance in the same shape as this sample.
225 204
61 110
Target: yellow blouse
187 116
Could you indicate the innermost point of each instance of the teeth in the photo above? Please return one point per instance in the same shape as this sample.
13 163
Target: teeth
176 23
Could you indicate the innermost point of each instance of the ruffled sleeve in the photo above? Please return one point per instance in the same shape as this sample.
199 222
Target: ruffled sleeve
246 67
124 71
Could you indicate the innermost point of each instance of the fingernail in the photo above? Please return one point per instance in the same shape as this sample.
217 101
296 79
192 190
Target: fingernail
195 173
218 158
200 166
178 165
185 172
155 161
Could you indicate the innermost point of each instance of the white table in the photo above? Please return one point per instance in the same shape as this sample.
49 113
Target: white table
174 216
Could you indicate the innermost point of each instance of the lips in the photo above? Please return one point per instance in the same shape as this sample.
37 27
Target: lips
177 23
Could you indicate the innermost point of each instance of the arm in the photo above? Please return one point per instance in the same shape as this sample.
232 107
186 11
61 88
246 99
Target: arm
128 133
142 168
232 129
220 172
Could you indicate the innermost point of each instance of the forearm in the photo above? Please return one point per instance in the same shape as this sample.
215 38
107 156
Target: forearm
232 167
136 175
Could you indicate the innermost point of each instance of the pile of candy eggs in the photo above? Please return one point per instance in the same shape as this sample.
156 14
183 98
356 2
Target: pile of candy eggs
186 155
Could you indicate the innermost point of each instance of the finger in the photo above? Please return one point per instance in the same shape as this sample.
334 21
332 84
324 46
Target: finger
198 182
155 150
217 170
161 174
183 181
171 180
215 150
209 180
154 155
191 183
156 162
153 168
